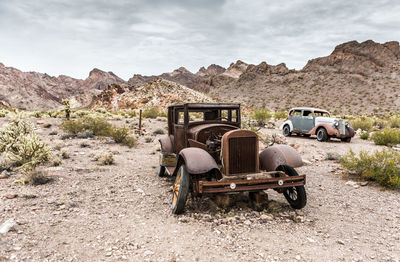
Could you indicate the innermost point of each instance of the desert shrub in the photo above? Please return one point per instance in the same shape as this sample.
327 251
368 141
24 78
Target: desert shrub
380 123
119 134
53 133
73 126
148 139
363 123
381 166
364 135
98 126
34 177
64 153
151 113
386 137
394 122
56 161
261 116
280 114
105 158
131 113
19 142
89 127
159 131
85 134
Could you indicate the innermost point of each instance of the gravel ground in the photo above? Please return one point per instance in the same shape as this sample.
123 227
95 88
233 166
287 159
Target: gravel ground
91 212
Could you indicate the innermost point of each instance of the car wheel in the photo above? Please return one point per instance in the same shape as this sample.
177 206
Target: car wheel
296 196
180 190
286 130
347 139
161 171
322 135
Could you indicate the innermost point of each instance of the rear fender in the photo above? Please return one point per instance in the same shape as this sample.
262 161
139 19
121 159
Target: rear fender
276 155
329 129
197 161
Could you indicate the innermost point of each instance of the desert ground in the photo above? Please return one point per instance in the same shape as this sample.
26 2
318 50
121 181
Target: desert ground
92 212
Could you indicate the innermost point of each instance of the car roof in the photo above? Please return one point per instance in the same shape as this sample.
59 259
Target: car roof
206 105
309 108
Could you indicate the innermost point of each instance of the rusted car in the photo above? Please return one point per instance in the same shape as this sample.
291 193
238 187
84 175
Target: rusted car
309 121
208 153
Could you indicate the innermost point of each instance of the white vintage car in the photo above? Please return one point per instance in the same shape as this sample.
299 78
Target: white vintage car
313 121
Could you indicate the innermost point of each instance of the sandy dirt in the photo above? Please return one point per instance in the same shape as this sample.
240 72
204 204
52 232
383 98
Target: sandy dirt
92 212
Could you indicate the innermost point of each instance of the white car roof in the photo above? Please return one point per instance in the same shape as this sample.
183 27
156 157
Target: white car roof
309 108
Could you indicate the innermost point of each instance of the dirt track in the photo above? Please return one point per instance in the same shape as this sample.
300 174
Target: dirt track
122 212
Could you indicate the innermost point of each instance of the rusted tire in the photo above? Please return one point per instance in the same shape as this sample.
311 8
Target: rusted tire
161 171
347 139
286 131
296 196
322 135
180 190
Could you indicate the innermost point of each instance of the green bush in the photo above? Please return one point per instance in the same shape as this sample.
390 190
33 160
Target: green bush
159 131
280 114
105 158
363 123
381 166
386 137
261 116
364 135
88 127
151 113
19 142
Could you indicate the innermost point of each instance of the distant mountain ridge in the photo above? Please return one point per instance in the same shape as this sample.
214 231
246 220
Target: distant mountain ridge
356 78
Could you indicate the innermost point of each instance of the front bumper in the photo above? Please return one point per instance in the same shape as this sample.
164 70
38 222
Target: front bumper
251 182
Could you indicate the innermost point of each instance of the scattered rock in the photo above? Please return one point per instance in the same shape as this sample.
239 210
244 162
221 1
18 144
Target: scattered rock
7 226
364 183
148 253
352 183
266 218
10 196
341 242
332 156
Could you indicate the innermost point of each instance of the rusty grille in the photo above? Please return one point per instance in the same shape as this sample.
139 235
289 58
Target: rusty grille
242 155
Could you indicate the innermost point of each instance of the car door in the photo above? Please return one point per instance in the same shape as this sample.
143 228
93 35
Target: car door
296 120
307 121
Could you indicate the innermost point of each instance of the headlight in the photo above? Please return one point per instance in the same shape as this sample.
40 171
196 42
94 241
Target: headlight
347 125
336 124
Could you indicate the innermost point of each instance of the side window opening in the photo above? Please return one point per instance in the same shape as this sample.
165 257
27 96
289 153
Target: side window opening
297 113
307 113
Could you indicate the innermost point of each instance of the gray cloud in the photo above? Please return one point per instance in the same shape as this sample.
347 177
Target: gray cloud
151 37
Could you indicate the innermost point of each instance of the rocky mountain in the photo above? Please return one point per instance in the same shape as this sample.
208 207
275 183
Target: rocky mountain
356 78
37 91
158 93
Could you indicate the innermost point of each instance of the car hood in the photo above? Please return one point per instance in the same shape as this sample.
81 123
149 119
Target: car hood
328 120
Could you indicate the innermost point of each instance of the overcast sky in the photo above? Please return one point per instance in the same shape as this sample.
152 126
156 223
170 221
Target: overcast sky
151 37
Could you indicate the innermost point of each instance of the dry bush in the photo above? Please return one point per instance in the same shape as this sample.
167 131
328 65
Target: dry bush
381 166
280 114
64 153
105 158
364 135
159 131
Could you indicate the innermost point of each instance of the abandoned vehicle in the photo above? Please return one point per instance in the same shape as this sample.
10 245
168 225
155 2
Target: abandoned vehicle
208 153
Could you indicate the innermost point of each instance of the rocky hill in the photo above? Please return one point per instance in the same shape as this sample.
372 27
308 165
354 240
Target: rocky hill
37 91
158 93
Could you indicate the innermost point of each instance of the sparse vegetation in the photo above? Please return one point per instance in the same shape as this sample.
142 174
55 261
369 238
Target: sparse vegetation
364 135
151 113
386 137
89 127
280 114
105 158
363 123
381 166
261 116
19 142
159 131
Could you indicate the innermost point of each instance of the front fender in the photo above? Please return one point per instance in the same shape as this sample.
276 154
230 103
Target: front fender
197 160
329 129
276 155
166 144
287 122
